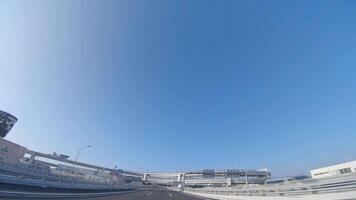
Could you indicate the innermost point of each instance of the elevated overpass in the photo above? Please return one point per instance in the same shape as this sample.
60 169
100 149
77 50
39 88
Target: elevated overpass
208 177
34 155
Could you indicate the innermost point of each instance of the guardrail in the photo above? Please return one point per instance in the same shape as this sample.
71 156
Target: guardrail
307 187
29 175
59 195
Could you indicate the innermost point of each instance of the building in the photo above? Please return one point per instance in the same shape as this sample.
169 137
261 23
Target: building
334 170
10 152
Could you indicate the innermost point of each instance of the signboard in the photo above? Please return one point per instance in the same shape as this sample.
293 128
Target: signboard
7 121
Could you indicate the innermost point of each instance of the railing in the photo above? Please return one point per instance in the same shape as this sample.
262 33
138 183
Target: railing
311 186
30 175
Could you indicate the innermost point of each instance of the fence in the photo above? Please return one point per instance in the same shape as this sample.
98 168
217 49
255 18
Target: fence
337 184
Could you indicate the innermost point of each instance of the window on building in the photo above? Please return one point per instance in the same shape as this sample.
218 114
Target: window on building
321 173
347 170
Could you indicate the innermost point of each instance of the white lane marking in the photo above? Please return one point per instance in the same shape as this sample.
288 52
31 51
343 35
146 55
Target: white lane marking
148 194
170 195
64 194
199 197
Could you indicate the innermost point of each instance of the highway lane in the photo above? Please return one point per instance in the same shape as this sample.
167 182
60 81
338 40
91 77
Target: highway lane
154 194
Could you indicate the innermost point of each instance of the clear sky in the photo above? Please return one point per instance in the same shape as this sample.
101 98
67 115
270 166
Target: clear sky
183 85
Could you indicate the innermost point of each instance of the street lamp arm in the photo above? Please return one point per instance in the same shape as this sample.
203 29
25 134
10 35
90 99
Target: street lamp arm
81 148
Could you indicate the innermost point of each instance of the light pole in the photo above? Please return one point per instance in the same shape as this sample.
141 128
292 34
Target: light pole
76 158
258 159
81 148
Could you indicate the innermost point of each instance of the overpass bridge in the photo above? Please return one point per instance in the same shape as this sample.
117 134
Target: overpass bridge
208 177
34 155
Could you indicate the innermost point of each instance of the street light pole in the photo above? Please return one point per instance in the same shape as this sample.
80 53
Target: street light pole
76 158
81 148
258 160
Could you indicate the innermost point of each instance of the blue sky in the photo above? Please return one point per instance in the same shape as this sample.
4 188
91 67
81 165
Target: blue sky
183 85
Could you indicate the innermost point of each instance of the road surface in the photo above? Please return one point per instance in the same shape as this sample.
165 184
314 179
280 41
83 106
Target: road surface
154 194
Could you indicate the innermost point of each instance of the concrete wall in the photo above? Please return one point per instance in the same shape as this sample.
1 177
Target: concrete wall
331 196
10 152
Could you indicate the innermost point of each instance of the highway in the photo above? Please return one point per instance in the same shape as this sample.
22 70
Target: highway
154 194
151 195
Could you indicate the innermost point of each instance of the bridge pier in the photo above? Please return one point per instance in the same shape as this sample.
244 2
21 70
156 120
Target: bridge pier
144 177
181 179
228 182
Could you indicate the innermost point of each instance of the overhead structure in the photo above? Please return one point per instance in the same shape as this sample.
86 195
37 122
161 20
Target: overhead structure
208 177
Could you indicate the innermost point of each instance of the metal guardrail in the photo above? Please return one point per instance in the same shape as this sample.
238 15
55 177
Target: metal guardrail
29 175
311 186
60 195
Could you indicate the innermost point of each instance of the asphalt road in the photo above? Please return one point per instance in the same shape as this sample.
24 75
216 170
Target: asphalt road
154 194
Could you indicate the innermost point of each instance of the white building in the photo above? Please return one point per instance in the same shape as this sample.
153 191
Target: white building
339 169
